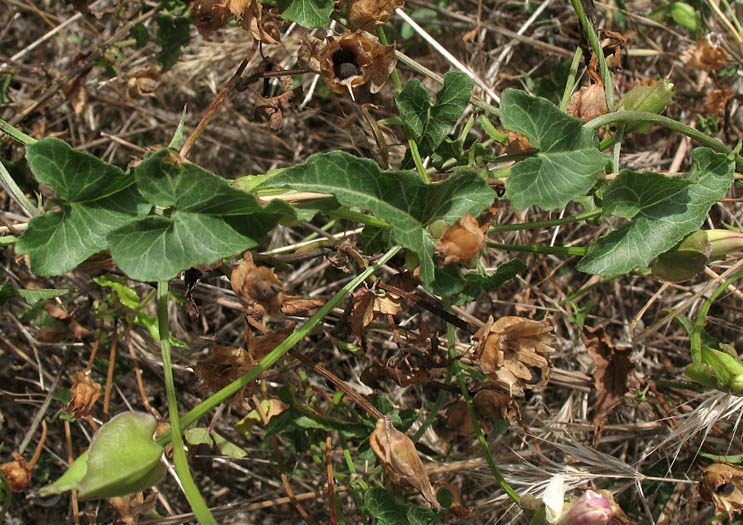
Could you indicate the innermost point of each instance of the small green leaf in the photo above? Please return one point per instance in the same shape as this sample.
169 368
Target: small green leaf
34 296
686 16
414 105
96 196
567 163
126 295
400 198
475 284
140 34
384 508
658 228
438 119
172 35
4 86
198 436
308 13
227 447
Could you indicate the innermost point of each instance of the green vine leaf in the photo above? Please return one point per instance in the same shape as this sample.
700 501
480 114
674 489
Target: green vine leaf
206 220
658 227
632 192
567 162
429 124
172 35
308 13
401 198
95 198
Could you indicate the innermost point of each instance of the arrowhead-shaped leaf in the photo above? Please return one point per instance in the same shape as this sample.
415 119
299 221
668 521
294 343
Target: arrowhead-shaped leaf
568 161
96 197
429 124
634 191
210 220
401 198
657 228
308 13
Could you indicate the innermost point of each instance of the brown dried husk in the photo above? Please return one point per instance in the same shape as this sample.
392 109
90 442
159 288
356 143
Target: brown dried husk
461 241
401 460
510 347
723 486
368 15
373 60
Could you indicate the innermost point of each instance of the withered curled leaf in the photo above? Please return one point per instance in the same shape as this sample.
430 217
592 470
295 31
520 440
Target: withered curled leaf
210 15
257 284
723 486
588 103
495 403
513 351
707 55
401 460
17 473
368 15
610 378
84 395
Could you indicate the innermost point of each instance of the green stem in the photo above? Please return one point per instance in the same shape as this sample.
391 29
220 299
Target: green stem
24 202
696 335
483 443
452 345
195 500
418 161
395 74
363 218
556 250
571 79
596 46
277 353
546 224
675 125
16 134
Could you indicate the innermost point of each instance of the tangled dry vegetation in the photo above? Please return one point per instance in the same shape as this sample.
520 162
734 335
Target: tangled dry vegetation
640 439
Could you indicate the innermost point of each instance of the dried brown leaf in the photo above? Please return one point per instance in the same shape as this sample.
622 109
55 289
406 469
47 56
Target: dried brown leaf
610 378
221 367
517 143
257 284
707 55
717 100
260 345
210 15
300 306
264 26
368 15
723 485
494 403
588 103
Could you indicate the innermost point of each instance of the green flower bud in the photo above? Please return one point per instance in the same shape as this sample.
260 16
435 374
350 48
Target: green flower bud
685 260
686 16
723 242
650 99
